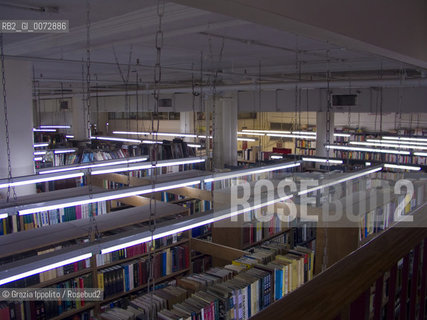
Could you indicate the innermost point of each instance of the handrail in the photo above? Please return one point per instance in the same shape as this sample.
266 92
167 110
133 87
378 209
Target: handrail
331 291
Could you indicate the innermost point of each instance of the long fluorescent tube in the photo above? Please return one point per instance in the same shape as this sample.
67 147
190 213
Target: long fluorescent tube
309 133
398 166
398 142
45 268
226 175
360 149
420 154
44 130
37 158
368 164
291 136
40 145
58 151
390 145
20 181
39 153
192 145
204 137
3 215
245 139
251 133
335 182
276 157
162 164
117 194
166 134
152 142
105 163
322 160
69 136
117 139
265 131
193 223
55 127
345 135
405 138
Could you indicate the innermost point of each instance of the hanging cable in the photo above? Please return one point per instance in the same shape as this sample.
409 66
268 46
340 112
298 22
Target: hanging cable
6 123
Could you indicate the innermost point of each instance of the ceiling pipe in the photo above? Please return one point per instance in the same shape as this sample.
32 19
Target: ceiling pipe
414 83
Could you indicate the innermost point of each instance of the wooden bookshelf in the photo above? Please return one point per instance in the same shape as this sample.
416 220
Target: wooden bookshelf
70 313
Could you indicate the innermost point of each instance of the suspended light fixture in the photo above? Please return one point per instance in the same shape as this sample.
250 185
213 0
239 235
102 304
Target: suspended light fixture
40 145
402 142
308 137
20 181
361 149
405 138
116 139
321 160
385 144
44 130
245 139
54 127
398 166
251 133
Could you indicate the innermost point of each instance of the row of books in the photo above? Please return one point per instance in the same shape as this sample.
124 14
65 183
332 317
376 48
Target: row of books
305 144
372 156
255 231
137 250
29 310
236 291
306 152
45 218
134 274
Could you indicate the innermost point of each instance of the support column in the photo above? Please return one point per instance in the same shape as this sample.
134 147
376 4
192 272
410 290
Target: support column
187 124
80 130
18 76
321 128
226 132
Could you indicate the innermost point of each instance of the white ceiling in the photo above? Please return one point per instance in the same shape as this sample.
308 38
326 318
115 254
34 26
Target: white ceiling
130 25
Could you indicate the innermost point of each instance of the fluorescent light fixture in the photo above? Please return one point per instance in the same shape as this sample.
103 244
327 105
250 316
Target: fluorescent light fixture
309 133
405 138
420 154
276 157
240 173
105 163
166 134
361 149
45 268
40 145
245 139
3 215
55 127
390 145
251 133
308 137
20 181
335 182
117 139
39 153
398 166
322 160
38 158
411 143
204 137
368 164
265 131
152 142
44 130
69 136
187 225
345 135
191 145
160 164
58 151
117 194
131 132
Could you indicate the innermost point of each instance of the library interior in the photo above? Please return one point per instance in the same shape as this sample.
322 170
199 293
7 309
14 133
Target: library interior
213 160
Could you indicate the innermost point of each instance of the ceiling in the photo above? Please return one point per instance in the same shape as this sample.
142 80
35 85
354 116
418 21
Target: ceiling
121 31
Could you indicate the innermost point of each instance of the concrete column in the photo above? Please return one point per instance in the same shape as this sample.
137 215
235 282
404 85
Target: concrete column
187 124
225 132
80 129
18 76
321 128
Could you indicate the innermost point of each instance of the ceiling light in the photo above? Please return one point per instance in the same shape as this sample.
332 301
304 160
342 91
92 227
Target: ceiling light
345 135
420 154
20 181
265 131
69 136
291 136
310 133
322 160
335 182
398 166
276 157
240 173
40 145
55 127
245 139
251 133
368 164
405 138
39 153
385 144
117 139
152 141
398 142
58 151
191 145
45 268
3 215
204 137
37 158
44 130
104 163
360 149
